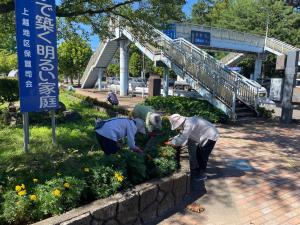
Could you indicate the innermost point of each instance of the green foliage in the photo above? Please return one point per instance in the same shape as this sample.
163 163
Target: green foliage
113 70
136 168
73 56
8 61
7 32
135 64
9 90
265 113
76 160
105 182
15 208
187 107
53 197
164 166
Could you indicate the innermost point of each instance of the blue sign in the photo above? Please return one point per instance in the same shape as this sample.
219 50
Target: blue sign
235 68
37 55
170 31
200 38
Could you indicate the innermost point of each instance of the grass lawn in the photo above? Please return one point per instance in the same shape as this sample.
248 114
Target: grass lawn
74 141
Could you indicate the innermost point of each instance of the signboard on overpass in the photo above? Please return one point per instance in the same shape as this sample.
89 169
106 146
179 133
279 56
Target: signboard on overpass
235 68
37 55
200 38
170 31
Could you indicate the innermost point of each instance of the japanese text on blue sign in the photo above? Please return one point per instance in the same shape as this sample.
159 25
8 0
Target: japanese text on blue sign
200 38
170 31
37 55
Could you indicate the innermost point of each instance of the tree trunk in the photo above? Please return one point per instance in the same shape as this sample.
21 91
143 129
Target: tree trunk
72 80
78 80
66 79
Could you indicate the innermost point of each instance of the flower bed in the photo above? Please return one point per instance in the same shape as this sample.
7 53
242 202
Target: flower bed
54 179
187 107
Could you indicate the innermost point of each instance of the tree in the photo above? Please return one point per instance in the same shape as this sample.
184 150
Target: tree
252 16
201 10
135 64
113 70
73 56
97 14
8 61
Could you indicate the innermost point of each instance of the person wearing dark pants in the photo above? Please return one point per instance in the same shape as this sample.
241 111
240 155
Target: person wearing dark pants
200 136
109 132
203 154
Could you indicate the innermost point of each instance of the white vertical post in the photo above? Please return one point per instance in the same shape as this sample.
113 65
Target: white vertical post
257 68
166 81
100 76
26 131
124 68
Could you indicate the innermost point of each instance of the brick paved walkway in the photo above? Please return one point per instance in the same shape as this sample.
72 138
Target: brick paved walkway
255 178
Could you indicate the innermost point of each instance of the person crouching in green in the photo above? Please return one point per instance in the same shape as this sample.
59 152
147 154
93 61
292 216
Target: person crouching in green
147 113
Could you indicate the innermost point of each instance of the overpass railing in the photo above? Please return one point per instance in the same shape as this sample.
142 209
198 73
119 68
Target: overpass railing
223 83
227 34
279 46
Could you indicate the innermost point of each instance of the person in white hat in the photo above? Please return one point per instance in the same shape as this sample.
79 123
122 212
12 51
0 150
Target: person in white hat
201 137
148 114
109 132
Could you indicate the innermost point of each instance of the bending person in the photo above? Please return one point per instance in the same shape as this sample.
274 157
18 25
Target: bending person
148 114
201 137
109 132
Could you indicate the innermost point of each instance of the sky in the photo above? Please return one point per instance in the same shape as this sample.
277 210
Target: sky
187 10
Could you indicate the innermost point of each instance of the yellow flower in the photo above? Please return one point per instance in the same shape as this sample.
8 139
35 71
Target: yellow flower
67 185
56 193
23 186
119 177
35 180
33 197
22 193
86 169
18 188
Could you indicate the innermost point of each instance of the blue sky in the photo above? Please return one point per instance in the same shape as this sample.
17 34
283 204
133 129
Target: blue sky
187 9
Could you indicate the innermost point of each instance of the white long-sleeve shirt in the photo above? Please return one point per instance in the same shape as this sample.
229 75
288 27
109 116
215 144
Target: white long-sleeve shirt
198 130
117 129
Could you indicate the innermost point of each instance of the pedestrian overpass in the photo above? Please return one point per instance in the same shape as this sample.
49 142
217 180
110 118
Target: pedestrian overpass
220 86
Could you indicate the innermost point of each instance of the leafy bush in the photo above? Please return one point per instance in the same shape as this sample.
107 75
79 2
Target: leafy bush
16 208
58 195
164 166
9 90
105 181
265 113
55 196
135 164
187 107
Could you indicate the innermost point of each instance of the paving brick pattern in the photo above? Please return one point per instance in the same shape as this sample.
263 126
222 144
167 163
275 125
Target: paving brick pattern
267 193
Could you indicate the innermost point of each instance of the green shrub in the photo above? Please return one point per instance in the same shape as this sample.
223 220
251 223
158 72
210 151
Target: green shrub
164 166
9 90
16 208
265 113
187 107
27 204
105 181
135 166
58 195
